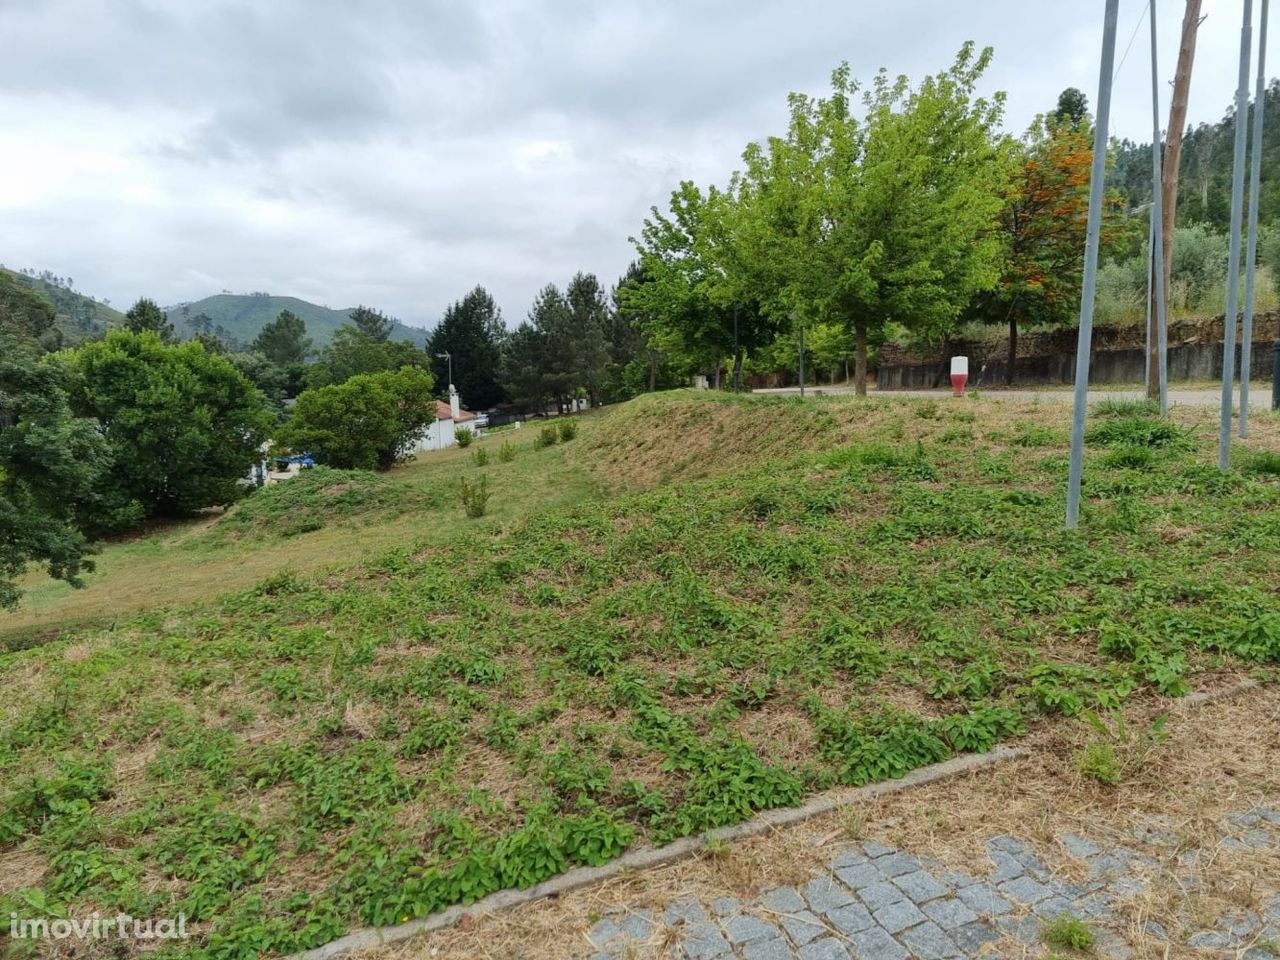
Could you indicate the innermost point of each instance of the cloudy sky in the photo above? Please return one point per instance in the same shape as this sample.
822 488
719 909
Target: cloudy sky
398 152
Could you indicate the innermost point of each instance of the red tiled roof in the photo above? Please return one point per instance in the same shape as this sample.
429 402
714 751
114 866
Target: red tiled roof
445 412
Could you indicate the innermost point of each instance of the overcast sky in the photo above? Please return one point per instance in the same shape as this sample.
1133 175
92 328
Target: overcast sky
398 152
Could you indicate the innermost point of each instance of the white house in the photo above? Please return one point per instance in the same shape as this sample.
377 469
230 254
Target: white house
449 416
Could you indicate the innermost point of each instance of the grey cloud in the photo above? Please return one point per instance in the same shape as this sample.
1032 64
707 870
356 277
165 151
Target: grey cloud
400 151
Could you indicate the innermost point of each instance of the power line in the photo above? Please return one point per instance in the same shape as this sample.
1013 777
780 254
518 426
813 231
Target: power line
1133 37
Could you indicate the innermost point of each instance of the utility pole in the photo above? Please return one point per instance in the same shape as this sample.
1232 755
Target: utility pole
1157 236
737 353
1084 339
1173 154
1251 256
802 361
1233 251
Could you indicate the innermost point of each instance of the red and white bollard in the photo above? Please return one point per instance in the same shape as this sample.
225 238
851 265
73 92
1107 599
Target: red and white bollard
959 374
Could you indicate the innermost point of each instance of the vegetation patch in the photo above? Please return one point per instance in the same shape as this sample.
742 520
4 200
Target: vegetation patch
314 499
488 709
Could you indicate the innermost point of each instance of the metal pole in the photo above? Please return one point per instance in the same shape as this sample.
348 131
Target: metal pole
1084 340
1151 284
1251 257
802 361
1157 214
737 366
1233 255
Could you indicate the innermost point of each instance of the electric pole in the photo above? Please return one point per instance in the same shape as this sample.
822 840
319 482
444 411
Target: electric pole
1169 172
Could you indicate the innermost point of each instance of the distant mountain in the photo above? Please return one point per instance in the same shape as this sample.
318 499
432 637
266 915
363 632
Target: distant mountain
79 316
238 317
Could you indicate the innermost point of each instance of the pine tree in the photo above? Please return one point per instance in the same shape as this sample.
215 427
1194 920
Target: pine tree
471 333
146 315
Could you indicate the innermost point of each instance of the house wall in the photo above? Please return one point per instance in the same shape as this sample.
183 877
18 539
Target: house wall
436 437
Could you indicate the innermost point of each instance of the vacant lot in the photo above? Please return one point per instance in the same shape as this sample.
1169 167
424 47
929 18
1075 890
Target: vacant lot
752 599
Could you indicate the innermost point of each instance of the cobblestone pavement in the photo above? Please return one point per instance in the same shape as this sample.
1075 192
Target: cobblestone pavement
879 903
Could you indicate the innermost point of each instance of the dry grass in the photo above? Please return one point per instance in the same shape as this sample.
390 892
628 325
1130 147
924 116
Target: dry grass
1219 759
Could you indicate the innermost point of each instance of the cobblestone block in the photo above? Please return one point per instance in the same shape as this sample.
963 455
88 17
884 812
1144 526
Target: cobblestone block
928 942
898 916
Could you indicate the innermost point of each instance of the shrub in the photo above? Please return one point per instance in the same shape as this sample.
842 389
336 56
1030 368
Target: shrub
463 436
474 496
548 436
568 430
506 452
1066 932
480 456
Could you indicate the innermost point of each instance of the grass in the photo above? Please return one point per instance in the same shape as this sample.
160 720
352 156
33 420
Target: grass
698 608
187 562
1068 933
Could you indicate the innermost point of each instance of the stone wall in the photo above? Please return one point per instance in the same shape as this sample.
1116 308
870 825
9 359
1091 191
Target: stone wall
1195 353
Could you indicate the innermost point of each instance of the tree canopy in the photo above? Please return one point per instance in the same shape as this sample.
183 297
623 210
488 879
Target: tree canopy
471 332
183 426
367 422
145 316
374 324
284 340
884 220
352 352
50 465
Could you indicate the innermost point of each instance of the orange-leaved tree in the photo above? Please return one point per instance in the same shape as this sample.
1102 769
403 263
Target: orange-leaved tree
1042 226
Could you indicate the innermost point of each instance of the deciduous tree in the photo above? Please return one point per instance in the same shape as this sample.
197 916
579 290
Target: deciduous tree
888 219
183 426
367 422
51 462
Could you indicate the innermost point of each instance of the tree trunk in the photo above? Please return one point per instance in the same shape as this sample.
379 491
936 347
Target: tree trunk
653 370
1013 350
1172 155
860 358
715 378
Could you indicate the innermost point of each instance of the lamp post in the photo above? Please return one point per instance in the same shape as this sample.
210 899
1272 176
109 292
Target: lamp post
449 357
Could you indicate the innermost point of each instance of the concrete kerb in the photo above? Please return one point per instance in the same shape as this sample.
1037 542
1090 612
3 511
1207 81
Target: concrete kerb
686 847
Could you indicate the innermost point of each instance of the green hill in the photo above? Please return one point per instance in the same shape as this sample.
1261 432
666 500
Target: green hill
79 315
242 315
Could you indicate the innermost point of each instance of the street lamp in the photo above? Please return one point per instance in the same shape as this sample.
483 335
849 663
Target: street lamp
448 356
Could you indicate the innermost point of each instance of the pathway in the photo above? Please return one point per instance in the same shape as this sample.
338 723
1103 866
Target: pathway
879 903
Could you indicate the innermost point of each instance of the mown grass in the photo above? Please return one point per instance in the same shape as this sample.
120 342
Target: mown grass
488 708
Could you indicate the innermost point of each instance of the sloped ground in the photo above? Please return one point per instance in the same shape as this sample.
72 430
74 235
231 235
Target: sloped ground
483 711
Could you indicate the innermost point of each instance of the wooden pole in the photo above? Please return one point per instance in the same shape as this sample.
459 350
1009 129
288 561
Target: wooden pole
1169 170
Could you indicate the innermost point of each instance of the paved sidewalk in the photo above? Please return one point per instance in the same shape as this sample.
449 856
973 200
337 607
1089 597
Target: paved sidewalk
879 903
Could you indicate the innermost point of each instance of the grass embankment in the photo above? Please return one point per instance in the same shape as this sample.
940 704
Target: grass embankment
487 708
295 529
